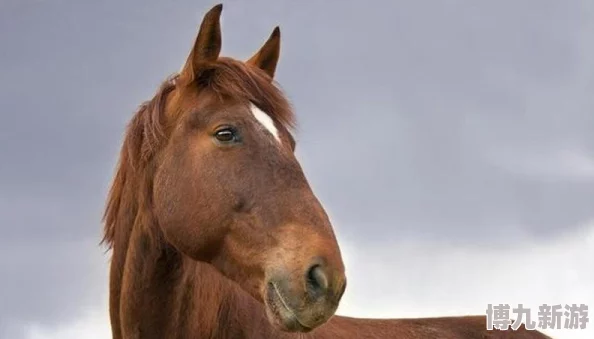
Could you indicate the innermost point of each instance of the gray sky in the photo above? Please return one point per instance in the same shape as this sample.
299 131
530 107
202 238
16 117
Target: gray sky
457 130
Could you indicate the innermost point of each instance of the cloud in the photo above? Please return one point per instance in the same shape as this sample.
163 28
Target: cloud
94 324
573 164
432 279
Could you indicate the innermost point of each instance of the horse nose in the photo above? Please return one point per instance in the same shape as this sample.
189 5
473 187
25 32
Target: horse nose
317 281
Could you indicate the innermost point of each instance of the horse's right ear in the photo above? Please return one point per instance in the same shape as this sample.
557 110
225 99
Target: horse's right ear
208 43
267 57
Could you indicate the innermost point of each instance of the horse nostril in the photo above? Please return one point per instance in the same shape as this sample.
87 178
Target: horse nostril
317 279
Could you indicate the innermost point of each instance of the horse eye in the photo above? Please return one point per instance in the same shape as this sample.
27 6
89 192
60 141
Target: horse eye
226 135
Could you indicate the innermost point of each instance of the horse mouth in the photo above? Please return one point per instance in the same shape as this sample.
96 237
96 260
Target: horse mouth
282 313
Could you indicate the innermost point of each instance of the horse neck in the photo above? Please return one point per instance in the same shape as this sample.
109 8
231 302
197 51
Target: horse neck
156 292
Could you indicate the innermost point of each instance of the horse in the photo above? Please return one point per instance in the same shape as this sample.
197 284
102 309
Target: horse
214 229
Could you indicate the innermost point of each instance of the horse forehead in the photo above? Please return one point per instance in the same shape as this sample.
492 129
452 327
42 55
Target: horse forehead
265 120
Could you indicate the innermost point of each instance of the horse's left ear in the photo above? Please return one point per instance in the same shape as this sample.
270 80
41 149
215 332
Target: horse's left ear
207 45
267 57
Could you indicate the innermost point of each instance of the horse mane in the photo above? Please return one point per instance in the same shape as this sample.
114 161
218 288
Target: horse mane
130 196
228 78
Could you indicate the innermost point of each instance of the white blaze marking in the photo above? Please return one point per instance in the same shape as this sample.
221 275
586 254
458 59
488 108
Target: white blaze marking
265 120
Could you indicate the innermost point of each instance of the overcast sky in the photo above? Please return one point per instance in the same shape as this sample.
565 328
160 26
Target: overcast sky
452 144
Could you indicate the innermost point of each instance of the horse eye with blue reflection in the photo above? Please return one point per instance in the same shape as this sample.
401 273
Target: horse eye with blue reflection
226 135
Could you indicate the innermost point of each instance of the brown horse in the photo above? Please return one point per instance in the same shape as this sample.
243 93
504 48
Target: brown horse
214 229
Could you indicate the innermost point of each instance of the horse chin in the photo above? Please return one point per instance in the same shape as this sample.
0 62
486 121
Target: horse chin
279 314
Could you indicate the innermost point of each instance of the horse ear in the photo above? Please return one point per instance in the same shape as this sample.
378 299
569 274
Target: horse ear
208 43
267 57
